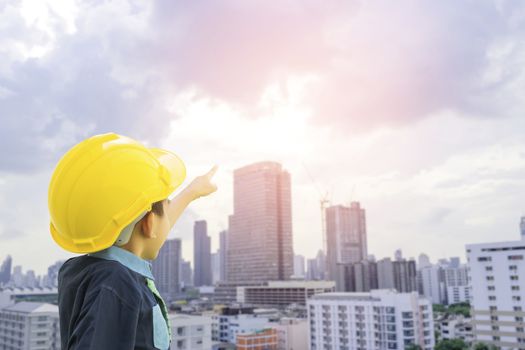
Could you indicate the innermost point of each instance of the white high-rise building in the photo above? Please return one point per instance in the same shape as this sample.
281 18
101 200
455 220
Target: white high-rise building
456 284
190 332
380 319
496 272
433 284
31 326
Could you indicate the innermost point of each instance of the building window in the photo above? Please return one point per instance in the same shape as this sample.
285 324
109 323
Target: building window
490 278
491 288
488 268
513 267
515 257
484 258
492 297
515 287
514 278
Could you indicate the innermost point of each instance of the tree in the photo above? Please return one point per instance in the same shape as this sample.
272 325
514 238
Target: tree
438 308
413 347
453 309
483 346
460 309
451 344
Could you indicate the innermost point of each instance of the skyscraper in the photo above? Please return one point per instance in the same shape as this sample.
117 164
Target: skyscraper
215 267
398 254
52 274
321 264
423 260
346 239
167 269
223 249
260 228
202 275
522 227
5 270
186 274
400 275
298 266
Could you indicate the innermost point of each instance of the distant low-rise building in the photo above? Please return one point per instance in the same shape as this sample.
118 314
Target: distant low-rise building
455 327
229 322
282 293
292 334
265 339
13 295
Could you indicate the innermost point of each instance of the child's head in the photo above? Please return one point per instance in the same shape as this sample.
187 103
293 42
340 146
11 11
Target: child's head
150 232
105 191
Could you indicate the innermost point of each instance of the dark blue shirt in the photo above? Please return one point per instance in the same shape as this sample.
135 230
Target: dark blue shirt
105 303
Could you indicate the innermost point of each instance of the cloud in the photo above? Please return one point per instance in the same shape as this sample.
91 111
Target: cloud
11 233
374 64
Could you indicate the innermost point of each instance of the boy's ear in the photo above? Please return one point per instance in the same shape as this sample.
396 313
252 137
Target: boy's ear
148 225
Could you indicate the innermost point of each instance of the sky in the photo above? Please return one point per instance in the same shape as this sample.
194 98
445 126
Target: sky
415 109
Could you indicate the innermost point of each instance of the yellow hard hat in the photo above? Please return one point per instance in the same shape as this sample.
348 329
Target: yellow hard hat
102 184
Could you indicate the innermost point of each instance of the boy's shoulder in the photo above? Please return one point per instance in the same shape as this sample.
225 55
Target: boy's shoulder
91 274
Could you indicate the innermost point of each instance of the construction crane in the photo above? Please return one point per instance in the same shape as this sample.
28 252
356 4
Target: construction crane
324 203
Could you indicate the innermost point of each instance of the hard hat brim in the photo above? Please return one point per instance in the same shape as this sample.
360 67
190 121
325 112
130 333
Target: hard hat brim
174 165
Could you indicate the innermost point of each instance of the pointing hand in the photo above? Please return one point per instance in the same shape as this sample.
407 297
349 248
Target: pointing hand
202 185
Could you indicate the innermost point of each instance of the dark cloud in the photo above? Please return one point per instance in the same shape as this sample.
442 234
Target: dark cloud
55 101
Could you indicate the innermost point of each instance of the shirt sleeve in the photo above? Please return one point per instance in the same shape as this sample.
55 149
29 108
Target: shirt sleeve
106 322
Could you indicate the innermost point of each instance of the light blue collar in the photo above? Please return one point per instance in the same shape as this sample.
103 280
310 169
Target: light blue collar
126 258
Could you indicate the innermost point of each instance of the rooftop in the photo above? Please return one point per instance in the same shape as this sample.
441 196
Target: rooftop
32 307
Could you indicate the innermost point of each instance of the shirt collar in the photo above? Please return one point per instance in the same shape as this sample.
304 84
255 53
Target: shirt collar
127 259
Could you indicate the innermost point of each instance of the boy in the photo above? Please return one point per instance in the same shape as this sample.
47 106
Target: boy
108 197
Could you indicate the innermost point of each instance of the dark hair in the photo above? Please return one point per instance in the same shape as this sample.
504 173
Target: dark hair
158 208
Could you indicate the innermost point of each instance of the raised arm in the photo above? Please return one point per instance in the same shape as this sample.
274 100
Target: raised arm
199 187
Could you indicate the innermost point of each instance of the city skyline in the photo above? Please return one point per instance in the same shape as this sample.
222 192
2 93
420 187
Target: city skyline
437 128
351 174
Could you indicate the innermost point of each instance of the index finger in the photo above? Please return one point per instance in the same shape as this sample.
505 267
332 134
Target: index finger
212 171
